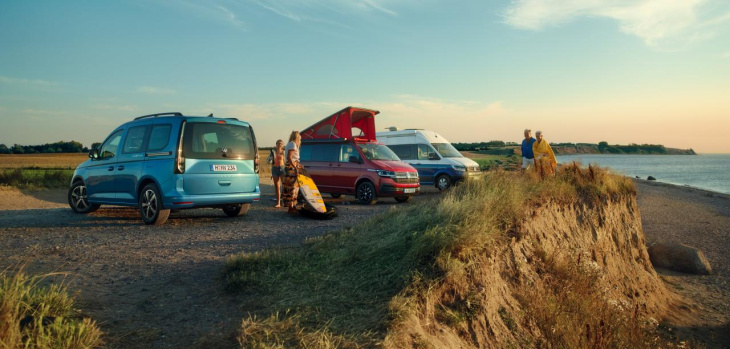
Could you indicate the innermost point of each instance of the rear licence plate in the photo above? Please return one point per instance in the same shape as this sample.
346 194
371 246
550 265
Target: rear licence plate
223 168
409 190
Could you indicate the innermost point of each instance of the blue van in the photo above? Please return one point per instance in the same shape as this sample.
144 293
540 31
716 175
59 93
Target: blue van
169 161
437 161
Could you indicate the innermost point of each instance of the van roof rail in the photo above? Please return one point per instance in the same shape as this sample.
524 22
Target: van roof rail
174 113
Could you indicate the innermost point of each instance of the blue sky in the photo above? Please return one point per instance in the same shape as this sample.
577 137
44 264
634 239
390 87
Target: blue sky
640 71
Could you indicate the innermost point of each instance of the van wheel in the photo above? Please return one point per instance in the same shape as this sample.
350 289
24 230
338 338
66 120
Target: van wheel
365 193
443 182
236 210
403 199
336 195
150 206
78 199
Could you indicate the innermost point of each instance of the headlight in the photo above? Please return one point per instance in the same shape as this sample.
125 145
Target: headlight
459 167
384 173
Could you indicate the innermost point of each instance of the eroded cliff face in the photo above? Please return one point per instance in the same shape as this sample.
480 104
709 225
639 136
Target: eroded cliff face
562 275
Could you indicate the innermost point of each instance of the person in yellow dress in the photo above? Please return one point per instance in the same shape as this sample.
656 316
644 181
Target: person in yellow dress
545 162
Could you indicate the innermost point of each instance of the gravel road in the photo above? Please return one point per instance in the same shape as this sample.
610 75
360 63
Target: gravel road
155 287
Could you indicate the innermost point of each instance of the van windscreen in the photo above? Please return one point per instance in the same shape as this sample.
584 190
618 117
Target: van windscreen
203 140
447 150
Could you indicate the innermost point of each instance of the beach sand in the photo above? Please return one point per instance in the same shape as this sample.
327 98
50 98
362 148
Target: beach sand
698 218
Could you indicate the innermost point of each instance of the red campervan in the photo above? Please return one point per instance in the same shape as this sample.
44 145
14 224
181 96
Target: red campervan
342 156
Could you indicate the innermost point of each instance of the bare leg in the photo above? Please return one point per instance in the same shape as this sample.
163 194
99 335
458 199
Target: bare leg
277 190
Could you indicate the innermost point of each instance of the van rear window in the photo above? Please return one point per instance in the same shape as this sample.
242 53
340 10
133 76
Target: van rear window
215 141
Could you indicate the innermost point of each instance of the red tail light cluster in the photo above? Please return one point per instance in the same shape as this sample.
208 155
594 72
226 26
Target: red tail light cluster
256 163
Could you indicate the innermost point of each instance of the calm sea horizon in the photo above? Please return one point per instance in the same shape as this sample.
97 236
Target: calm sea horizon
704 171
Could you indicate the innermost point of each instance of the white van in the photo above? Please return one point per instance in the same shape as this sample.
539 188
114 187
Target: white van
436 160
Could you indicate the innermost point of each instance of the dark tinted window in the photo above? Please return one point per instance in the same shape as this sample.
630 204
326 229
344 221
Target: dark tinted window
135 139
305 152
159 137
215 141
320 152
404 151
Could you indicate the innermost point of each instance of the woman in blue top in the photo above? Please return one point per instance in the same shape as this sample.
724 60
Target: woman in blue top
527 154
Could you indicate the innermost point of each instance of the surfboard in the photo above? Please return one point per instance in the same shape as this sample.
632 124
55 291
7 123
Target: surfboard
310 193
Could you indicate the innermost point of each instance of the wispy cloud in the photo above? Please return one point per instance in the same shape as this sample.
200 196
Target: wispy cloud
26 82
315 10
231 17
150 90
663 24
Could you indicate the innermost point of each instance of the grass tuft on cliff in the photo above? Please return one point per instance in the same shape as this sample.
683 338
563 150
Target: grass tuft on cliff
349 288
36 316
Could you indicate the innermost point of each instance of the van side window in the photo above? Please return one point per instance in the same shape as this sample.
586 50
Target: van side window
159 137
423 151
404 151
305 152
346 151
135 139
109 149
325 152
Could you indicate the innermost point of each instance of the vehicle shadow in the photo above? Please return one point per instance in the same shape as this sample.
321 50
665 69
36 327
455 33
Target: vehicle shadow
56 196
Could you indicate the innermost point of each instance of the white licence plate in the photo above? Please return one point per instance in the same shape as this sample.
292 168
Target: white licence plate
409 190
223 168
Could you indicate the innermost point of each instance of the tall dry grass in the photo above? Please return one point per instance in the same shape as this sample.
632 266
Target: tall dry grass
36 316
350 285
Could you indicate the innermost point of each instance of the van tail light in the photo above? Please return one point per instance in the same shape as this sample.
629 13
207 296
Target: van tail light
179 164
256 163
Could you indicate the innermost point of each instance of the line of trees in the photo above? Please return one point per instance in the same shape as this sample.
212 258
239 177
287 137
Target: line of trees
58 147
632 148
481 145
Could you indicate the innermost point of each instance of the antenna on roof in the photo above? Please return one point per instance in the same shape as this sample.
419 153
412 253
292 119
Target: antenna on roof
392 128
211 115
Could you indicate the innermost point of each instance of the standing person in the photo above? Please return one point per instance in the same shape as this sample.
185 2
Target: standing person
277 170
527 155
545 162
291 171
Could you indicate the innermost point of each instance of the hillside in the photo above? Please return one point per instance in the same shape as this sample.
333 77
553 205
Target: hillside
506 262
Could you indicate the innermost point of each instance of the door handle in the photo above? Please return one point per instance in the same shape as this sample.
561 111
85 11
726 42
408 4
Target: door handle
120 167
111 168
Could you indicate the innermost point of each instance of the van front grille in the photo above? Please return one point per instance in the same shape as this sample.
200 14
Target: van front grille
406 180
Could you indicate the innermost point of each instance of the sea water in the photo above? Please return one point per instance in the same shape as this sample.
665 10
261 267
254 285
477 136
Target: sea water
704 171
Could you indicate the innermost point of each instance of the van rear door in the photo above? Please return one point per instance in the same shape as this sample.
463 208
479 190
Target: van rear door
219 157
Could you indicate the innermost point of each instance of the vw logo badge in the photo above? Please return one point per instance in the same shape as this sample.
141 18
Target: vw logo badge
224 150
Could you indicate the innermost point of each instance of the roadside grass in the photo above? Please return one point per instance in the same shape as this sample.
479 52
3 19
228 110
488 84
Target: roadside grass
36 178
348 287
36 316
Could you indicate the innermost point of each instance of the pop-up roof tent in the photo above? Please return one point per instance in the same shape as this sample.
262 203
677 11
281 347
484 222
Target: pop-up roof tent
348 123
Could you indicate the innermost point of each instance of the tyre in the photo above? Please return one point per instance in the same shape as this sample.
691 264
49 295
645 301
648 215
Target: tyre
150 206
443 182
329 214
403 199
365 193
78 200
336 195
236 210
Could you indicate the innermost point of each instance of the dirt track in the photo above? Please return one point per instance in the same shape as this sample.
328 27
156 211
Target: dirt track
160 287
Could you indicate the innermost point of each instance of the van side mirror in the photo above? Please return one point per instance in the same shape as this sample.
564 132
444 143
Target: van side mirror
354 159
433 156
94 153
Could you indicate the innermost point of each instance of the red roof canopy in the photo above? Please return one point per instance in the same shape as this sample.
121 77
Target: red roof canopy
348 123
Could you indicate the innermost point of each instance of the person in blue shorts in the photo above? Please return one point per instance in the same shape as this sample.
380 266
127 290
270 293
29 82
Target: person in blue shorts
528 157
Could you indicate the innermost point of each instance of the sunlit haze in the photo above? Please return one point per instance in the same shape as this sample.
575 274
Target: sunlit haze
621 71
